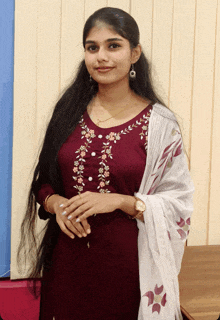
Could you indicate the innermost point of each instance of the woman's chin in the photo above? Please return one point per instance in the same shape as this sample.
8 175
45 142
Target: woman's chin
110 81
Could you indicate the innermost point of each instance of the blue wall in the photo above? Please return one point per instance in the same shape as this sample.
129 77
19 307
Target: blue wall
6 129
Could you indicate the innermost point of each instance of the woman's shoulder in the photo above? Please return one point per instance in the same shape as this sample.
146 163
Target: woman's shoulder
160 110
165 120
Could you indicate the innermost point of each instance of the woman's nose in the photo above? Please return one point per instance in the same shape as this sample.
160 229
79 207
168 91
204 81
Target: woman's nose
102 55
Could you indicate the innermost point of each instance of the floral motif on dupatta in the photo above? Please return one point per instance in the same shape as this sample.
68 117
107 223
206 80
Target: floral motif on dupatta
167 189
156 298
173 150
184 225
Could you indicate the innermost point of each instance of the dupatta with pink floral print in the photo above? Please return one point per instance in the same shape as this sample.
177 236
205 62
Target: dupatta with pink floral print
167 190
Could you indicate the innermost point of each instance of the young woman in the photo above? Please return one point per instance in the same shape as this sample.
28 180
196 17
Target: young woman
113 182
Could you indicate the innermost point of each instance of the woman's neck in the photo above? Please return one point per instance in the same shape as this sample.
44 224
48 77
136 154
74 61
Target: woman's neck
114 95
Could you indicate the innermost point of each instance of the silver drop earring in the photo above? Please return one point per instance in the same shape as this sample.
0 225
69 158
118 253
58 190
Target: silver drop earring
132 72
90 78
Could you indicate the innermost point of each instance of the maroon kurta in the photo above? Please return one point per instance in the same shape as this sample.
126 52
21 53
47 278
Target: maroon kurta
97 277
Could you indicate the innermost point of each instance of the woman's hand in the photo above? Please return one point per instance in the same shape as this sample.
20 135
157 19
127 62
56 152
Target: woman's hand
82 206
56 204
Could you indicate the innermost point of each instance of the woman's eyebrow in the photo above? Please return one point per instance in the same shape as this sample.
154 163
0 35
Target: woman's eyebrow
108 40
114 39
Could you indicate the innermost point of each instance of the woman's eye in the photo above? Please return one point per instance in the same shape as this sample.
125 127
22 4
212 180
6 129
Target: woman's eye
92 48
114 46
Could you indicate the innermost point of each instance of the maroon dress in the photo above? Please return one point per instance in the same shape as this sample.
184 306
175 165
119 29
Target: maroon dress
97 277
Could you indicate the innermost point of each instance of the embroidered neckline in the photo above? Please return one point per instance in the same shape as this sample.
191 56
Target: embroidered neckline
109 139
120 126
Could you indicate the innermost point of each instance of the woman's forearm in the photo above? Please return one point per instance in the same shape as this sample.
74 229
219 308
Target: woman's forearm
127 204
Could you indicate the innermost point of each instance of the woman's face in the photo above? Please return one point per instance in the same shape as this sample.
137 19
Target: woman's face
108 55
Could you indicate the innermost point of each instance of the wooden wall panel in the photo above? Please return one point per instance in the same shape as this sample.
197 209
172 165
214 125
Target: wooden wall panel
181 76
201 117
214 201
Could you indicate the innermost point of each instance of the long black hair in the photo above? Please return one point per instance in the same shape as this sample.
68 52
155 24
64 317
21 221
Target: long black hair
65 117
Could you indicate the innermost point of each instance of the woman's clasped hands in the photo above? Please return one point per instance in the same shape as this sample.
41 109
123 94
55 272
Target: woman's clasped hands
72 214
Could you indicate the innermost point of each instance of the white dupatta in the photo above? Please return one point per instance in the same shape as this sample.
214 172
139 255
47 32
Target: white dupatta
167 191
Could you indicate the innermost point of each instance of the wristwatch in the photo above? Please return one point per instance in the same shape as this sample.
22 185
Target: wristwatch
140 207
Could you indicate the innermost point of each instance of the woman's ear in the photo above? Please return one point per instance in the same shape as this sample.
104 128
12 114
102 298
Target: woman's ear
135 54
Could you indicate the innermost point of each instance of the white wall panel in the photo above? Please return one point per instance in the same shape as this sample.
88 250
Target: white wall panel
201 117
122 4
179 38
214 201
181 76
92 6
48 61
142 11
37 82
71 39
25 97
162 45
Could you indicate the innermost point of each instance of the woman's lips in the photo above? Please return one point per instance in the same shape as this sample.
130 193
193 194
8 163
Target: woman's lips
104 69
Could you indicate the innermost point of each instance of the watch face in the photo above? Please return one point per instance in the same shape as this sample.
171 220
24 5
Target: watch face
140 206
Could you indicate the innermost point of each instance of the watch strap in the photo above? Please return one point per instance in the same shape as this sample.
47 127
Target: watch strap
138 215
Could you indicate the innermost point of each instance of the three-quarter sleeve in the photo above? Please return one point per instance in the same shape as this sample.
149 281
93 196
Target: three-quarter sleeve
44 185
41 195
44 191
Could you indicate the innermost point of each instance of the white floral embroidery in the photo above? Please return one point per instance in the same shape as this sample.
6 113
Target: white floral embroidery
113 137
83 149
104 170
144 133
